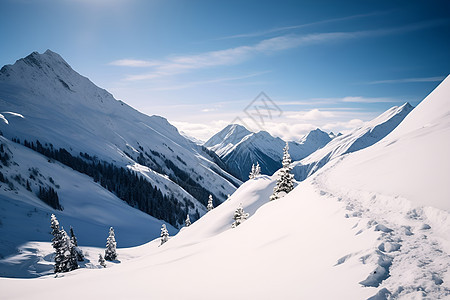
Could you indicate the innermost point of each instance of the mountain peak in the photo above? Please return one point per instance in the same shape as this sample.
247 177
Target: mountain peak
315 136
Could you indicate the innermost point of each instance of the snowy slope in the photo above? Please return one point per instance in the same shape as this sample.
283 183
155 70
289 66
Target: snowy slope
360 138
88 207
43 98
335 236
240 148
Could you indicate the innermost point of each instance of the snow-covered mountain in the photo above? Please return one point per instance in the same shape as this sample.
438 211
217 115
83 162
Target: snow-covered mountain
343 233
239 148
360 138
43 99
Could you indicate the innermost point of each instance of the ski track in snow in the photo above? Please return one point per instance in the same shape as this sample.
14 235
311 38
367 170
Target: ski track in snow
411 260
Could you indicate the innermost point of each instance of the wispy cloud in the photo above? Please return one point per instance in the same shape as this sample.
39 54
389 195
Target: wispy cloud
337 100
299 26
203 82
133 63
368 100
181 64
409 80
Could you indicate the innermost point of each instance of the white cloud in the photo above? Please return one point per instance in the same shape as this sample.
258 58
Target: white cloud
313 114
133 63
181 64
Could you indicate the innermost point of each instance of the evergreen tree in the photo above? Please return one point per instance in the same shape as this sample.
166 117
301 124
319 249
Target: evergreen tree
57 243
78 252
210 203
285 181
257 170
73 237
187 222
65 258
71 261
252 172
101 261
164 234
110 252
239 216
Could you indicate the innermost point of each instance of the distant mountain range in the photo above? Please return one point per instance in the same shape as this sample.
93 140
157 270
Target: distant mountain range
239 148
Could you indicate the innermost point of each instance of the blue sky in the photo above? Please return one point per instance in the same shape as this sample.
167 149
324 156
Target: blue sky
324 64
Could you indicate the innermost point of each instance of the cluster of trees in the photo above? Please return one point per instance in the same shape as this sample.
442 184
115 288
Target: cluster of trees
49 196
4 156
127 185
256 171
67 252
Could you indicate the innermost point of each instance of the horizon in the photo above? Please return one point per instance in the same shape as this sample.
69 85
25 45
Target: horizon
319 66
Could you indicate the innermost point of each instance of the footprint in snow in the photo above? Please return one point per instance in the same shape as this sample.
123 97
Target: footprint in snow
382 228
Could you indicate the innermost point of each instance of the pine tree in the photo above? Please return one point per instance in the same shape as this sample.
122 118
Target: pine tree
285 181
110 252
252 172
239 216
187 222
57 243
257 170
164 234
78 252
71 261
73 237
101 261
210 203
65 257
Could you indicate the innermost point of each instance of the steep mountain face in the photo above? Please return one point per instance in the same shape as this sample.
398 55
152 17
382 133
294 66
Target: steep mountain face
363 137
42 99
240 148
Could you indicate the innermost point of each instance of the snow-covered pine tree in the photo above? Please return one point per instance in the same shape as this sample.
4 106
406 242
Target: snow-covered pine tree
101 261
187 222
210 203
110 252
57 243
65 258
285 181
78 252
73 237
71 261
257 170
239 216
164 234
252 172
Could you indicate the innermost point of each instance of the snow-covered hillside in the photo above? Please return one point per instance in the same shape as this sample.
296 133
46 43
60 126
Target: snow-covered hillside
88 207
43 98
358 139
335 236
240 148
